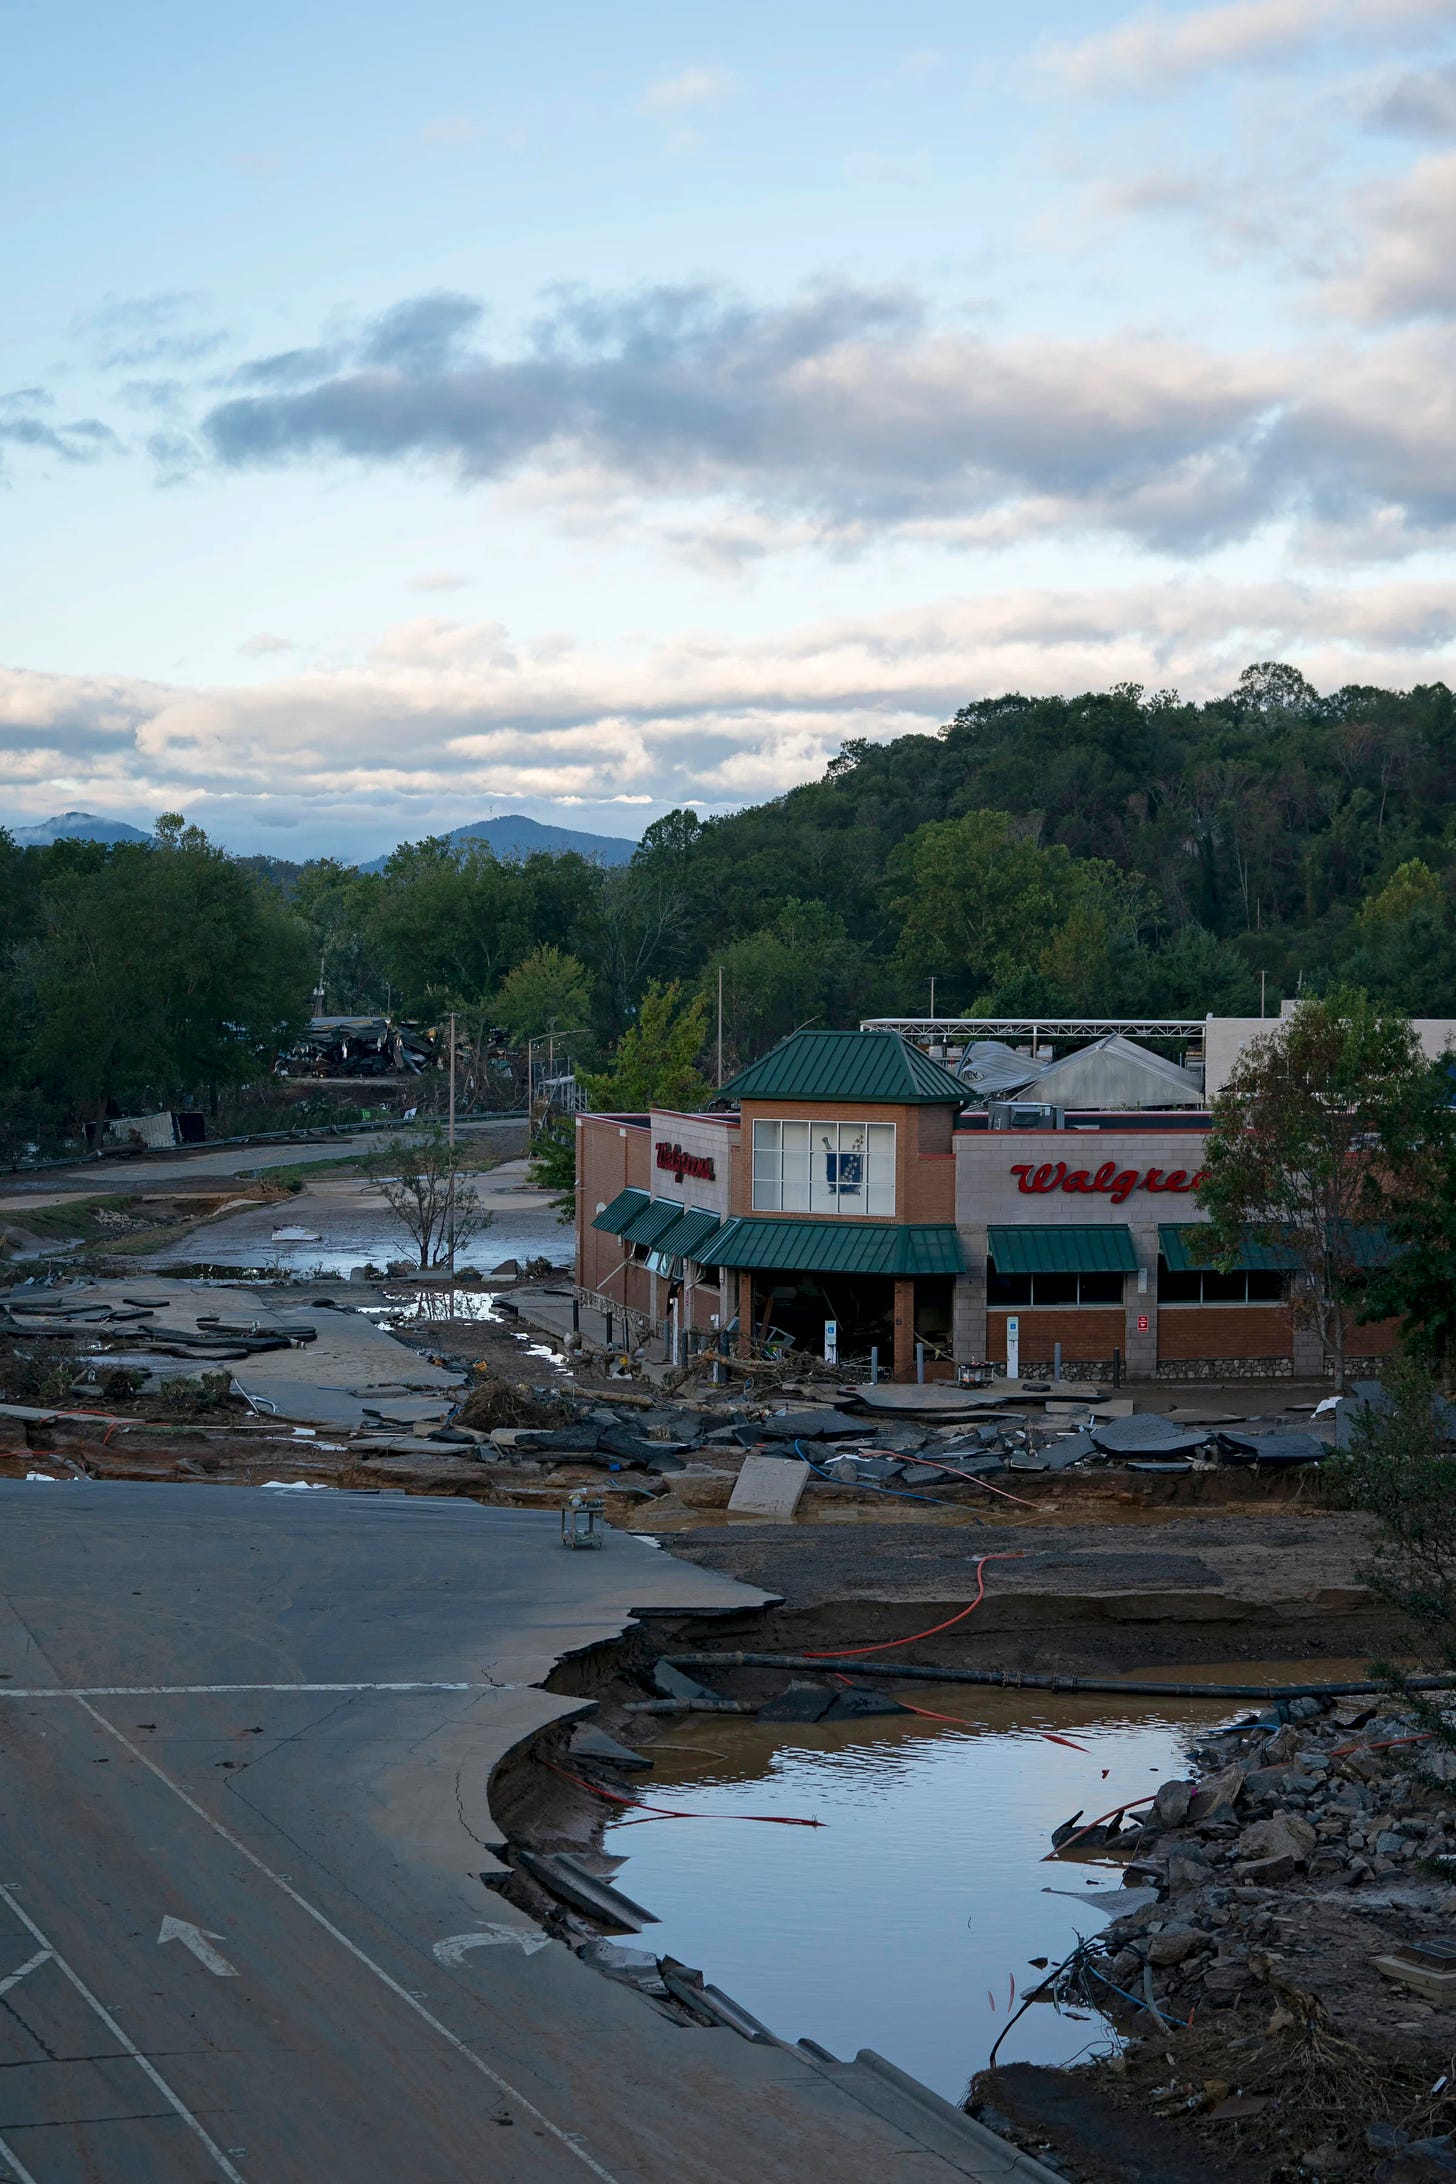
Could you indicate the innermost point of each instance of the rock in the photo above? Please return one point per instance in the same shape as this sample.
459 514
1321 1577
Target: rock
1224 1981
1216 1798
507 1270
1183 1874
1283 1834
1170 1806
851 1705
1173 1945
1385 2138
1388 1845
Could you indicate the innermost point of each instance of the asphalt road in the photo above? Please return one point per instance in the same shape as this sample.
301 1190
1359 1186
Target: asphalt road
245 1740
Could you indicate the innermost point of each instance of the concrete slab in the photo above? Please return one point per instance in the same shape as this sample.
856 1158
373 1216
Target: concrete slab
769 1486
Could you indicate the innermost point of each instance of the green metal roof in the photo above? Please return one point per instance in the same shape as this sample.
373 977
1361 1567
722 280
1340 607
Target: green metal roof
1104 1249
847 1065
624 1208
688 1233
1368 1247
655 1219
835 1247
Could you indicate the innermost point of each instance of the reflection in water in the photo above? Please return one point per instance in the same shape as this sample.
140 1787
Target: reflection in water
902 1923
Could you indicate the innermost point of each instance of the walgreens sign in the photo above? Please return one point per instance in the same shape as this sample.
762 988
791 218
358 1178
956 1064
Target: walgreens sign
1108 1181
681 1163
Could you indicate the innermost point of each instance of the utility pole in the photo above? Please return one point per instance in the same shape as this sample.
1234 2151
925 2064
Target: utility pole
932 1000
1263 976
720 1023
451 1184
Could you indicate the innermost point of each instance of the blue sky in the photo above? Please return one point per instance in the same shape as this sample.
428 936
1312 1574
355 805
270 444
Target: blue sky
407 414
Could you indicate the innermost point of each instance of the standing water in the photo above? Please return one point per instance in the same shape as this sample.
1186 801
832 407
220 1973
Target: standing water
910 1921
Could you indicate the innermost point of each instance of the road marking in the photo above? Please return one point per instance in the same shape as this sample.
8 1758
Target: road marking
22 2174
208 1690
200 1943
452 1949
31 1964
568 2139
173 2100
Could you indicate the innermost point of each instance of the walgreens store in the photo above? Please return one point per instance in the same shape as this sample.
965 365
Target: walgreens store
1084 1235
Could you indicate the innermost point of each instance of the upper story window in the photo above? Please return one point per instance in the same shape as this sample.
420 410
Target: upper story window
824 1167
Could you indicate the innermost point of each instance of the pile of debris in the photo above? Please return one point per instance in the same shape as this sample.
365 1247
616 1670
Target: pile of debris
134 1326
1287 1962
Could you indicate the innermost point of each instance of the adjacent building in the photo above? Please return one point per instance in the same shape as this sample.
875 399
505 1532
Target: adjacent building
843 1182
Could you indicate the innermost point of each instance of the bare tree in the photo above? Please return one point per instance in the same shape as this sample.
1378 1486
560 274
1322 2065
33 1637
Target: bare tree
419 1179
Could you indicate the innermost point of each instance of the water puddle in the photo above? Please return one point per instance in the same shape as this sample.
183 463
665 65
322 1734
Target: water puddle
909 1921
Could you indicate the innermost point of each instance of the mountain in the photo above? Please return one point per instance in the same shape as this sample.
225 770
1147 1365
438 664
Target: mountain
517 836
81 826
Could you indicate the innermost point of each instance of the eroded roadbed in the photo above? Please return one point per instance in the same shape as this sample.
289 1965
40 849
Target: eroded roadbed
246 1856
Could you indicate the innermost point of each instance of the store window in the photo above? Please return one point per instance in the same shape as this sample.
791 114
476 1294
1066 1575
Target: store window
1010 1291
824 1167
1206 1285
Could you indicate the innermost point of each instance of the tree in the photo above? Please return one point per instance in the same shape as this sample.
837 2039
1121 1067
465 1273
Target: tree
1325 1126
656 1061
800 968
1417 1286
160 970
553 1163
547 991
419 1179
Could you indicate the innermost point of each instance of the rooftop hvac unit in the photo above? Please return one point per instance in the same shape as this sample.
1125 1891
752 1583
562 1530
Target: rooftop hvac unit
1025 1115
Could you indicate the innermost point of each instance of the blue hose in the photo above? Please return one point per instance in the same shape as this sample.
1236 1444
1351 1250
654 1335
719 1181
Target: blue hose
896 1493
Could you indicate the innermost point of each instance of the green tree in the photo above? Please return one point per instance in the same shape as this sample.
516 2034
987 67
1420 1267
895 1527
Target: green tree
801 968
421 1179
656 1060
1325 1126
546 992
1404 943
553 1163
161 971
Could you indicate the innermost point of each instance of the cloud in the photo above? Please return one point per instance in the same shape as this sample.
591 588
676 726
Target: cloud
440 714
450 130
265 644
1405 264
690 87
26 421
128 333
1158 52
437 580
1421 103
841 406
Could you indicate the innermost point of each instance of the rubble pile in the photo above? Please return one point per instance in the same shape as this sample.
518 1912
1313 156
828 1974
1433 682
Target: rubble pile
1290 1944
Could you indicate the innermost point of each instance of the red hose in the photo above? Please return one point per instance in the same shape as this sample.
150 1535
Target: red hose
847 1653
669 1812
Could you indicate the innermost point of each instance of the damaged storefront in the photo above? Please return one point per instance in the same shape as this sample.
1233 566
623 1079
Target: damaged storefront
842 1198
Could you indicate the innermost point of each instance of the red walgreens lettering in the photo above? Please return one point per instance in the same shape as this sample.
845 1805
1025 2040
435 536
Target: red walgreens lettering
681 1163
1116 1183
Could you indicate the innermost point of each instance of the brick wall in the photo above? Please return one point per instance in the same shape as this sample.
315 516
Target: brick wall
1082 1333
1202 1330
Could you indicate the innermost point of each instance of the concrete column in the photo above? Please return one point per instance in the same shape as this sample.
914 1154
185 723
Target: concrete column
1140 1343
1310 1362
904 1328
968 1318
745 1312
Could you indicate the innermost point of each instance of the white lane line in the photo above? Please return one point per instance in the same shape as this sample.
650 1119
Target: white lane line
22 2175
173 2100
31 1964
568 2139
207 1690
452 1949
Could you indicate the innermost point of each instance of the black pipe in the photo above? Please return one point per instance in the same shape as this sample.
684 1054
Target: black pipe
1025 1679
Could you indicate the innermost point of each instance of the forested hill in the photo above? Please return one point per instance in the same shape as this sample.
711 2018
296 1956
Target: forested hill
1114 853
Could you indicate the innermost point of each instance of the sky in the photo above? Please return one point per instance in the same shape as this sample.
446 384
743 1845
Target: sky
410 415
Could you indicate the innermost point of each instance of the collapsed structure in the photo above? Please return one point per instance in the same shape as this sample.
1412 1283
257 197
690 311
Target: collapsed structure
885 1190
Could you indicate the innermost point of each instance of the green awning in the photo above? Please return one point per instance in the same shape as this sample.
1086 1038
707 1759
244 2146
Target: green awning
654 1220
835 1247
688 1234
624 1208
1104 1249
1368 1247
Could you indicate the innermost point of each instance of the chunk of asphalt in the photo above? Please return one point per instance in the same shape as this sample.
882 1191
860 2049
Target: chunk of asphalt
851 1705
590 1743
673 1684
800 1702
817 1425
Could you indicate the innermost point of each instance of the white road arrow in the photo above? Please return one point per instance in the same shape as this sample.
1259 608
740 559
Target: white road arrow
193 1938
452 1949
